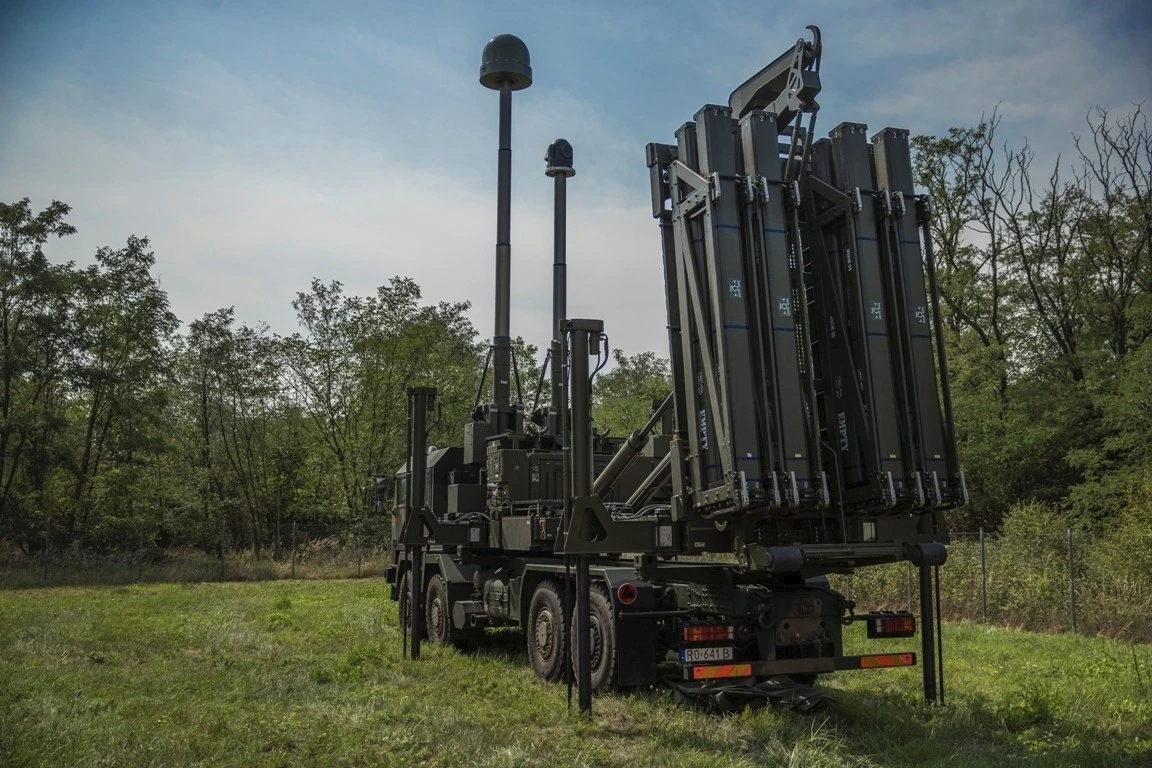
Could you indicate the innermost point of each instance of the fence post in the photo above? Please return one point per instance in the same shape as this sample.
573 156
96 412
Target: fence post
47 544
359 551
1071 579
983 580
140 552
221 546
293 549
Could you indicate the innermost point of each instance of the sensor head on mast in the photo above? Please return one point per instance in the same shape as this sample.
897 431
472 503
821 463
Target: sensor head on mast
559 159
505 60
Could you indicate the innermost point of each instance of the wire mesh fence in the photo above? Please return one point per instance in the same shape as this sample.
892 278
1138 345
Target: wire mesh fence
289 551
1053 581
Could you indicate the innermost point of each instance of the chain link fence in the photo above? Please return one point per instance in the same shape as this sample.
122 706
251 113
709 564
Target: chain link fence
1052 581
290 551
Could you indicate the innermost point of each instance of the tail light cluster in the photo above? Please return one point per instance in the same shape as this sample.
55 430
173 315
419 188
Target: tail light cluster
707 633
897 624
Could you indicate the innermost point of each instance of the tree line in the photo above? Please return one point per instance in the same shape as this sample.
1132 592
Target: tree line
1046 288
115 418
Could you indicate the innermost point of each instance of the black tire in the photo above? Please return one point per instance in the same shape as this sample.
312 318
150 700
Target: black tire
405 607
438 619
603 640
545 633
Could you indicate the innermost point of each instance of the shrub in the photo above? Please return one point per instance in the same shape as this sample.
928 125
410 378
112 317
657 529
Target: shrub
1027 571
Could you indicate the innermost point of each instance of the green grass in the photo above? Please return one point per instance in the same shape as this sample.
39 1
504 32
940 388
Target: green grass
310 673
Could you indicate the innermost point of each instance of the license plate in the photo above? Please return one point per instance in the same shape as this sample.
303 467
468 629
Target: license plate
697 655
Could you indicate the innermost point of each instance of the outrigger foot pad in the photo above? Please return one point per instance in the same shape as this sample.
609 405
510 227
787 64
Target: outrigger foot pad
735 696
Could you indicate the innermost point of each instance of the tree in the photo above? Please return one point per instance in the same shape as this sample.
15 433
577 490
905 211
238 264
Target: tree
350 368
964 175
622 398
1045 295
1116 236
232 409
123 333
35 305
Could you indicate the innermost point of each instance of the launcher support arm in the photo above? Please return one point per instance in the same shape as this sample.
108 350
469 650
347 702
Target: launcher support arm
786 87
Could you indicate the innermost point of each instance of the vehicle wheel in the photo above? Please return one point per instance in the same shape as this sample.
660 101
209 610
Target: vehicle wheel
438 620
545 631
405 608
603 639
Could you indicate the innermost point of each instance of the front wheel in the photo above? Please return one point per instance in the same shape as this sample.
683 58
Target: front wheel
439 624
438 618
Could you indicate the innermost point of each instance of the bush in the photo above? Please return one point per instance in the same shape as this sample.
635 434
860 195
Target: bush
1028 574
1030 584
1119 568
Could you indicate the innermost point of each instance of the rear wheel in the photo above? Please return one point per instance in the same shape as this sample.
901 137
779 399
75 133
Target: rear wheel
546 631
602 638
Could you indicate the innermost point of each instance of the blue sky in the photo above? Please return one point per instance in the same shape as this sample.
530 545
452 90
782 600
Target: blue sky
261 144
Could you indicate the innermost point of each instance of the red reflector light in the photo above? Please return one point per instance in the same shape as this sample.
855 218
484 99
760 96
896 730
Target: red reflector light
887 660
626 593
891 625
706 633
721 670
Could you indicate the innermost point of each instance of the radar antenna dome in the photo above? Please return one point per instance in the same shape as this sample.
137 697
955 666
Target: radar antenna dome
505 60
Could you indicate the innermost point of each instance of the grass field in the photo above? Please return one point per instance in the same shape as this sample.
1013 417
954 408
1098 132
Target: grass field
310 673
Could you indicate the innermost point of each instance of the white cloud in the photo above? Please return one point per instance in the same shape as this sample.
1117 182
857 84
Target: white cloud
928 67
250 189
250 181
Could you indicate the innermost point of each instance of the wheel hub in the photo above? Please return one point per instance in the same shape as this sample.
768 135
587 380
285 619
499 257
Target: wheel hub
436 613
544 634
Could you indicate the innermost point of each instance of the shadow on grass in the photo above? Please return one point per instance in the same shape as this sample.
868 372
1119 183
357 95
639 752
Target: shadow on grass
891 727
904 731
505 642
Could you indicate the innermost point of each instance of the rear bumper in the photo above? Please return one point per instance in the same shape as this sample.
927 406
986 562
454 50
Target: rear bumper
797 666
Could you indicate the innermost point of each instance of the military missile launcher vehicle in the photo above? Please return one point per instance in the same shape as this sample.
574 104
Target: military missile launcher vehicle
808 430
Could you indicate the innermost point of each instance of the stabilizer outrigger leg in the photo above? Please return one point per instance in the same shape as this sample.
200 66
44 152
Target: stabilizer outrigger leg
931 629
421 400
583 336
